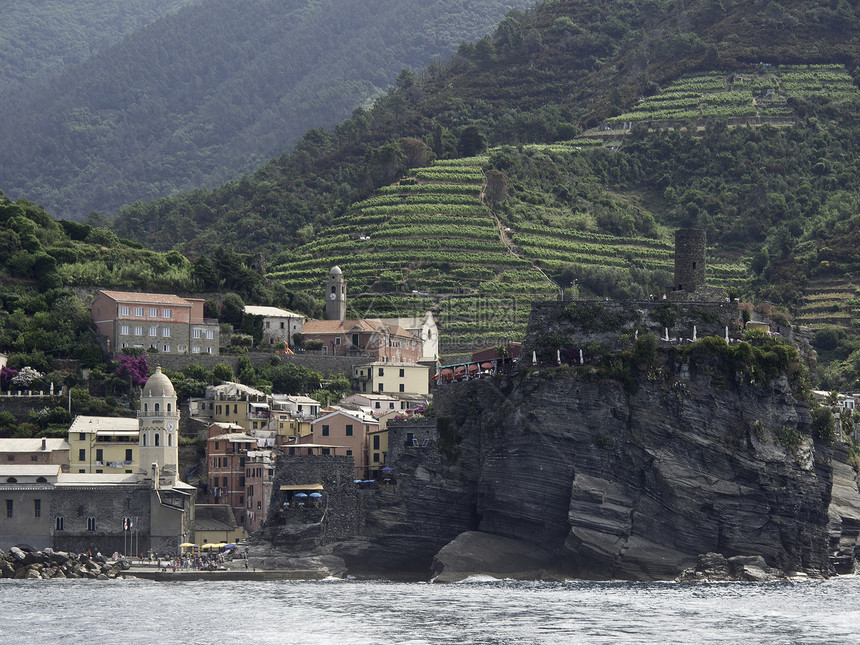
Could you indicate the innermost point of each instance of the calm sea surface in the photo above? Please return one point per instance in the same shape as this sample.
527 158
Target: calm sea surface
344 612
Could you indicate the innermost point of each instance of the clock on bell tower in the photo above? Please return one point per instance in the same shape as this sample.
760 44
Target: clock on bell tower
335 306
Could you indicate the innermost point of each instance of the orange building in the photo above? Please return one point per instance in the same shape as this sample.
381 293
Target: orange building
348 430
227 453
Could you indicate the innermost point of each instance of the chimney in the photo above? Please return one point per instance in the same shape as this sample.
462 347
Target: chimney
44 443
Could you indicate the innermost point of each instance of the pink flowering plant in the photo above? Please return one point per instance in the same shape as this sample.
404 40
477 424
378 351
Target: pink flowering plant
6 376
134 368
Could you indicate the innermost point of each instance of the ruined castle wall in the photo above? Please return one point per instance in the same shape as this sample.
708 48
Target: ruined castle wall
613 324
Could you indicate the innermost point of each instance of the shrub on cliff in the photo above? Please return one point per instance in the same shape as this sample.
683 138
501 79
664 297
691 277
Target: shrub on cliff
645 349
823 425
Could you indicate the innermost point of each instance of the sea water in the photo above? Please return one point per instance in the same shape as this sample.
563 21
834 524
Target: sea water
378 612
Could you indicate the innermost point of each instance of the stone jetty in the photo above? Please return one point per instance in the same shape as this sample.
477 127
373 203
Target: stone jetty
19 564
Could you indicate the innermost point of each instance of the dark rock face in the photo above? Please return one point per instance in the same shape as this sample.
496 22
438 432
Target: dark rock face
474 553
844 513
612 484
714 567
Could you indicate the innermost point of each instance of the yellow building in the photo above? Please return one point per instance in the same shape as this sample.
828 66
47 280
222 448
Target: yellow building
392 378
377 449
216 524
233 403
289 426
106 445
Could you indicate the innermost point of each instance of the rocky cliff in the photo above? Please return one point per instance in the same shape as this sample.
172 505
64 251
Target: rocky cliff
632 480
700 459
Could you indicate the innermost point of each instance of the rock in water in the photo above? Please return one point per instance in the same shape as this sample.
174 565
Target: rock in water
475 553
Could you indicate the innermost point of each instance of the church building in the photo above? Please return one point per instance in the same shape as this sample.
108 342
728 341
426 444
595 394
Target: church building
128 513
380 339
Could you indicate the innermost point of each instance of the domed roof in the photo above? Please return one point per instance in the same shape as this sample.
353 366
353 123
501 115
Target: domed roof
158 385
335 270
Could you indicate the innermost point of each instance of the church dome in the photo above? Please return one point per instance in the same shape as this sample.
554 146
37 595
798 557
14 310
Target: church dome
335 270
158 385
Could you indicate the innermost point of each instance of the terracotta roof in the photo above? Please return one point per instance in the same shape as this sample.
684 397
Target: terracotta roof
336 326
147 298
349 326
357 415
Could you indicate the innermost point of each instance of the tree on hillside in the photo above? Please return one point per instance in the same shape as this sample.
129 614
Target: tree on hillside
417 152
496 190
472 142
232 309
384 164
222 372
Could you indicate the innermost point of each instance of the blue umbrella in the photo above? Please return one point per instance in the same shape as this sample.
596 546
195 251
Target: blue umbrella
356 481
300 495
387 469
315 495
229 546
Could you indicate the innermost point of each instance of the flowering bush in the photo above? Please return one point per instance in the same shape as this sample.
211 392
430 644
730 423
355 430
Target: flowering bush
135 368
6 376
25 378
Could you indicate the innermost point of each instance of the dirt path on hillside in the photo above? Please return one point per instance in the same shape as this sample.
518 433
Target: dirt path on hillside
509 244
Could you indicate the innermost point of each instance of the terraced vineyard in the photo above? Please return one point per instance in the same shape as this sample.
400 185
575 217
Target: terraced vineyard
427 242
830 301
760 93
555 247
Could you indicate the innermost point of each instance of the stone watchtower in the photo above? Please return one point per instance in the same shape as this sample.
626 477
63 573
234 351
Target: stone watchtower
335 299
690 250
158 419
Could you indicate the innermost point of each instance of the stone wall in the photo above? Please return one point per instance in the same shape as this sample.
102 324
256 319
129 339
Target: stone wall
403 435
108 505
328 366
690 257
21 406
339 520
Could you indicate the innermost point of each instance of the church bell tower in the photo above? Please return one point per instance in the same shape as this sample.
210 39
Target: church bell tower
158 420
335 295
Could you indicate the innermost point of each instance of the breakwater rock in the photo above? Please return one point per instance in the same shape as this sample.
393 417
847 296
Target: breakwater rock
714 567
20 564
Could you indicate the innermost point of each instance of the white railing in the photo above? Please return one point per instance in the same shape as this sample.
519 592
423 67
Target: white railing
33 393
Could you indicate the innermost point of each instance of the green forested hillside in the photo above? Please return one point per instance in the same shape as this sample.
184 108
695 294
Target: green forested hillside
43 254
49 273
542 77
607 125
206 93
739 118
42 38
